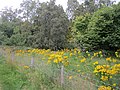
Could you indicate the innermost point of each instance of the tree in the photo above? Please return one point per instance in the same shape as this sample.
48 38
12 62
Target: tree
101 31
51 26
106 2
8 17
28 9
80 29
12 27
72 7
90 6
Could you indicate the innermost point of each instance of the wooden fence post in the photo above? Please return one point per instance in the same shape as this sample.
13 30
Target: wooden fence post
32 61
12 56
62 75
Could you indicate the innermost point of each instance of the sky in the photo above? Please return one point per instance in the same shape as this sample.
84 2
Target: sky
16 3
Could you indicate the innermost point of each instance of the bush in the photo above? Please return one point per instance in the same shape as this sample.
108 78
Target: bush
101 31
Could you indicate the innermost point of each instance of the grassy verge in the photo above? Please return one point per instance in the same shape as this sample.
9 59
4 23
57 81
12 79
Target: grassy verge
14 77
10 77
39 69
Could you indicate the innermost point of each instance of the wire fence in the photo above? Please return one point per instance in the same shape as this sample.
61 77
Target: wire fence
65 78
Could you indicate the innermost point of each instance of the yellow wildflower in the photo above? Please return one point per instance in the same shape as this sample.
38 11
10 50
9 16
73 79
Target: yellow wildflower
108 59
60 59
78 71
88 55
83 60
26 67
70 77
100 52
112 71
75 52
65 57
104 88
78 65
71 54
95 63
104 78
99 67
66 63
95 54
110 76
56 61
95 71
78 52
114 84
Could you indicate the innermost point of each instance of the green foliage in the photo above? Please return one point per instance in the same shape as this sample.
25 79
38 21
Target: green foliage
102 29
80 30
45 25
17 40
41 25
81 23
6 29
50 26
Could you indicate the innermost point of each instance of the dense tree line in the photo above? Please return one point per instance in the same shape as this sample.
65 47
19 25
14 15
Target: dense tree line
42 25
89 25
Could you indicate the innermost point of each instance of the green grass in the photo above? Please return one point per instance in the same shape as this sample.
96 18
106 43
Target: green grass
13 77
10 77
43 76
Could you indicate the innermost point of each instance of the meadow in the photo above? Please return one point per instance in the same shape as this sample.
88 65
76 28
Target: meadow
34 42
40 69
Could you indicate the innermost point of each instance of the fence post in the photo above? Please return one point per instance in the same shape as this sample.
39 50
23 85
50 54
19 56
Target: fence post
0 53
12 56
62 75
32 62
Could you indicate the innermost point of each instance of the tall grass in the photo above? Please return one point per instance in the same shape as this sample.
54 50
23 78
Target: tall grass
10 77
13 77
18 74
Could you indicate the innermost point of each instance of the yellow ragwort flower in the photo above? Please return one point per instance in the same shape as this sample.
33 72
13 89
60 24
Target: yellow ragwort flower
114 84
66 63
56 61
95 63
78 70
110 76
26 67
65 57
104 88
70 77
95 54
71 54
108 59
83 60
104 78
100 52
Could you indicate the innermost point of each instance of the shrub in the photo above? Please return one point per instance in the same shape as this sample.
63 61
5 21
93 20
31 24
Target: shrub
101 31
